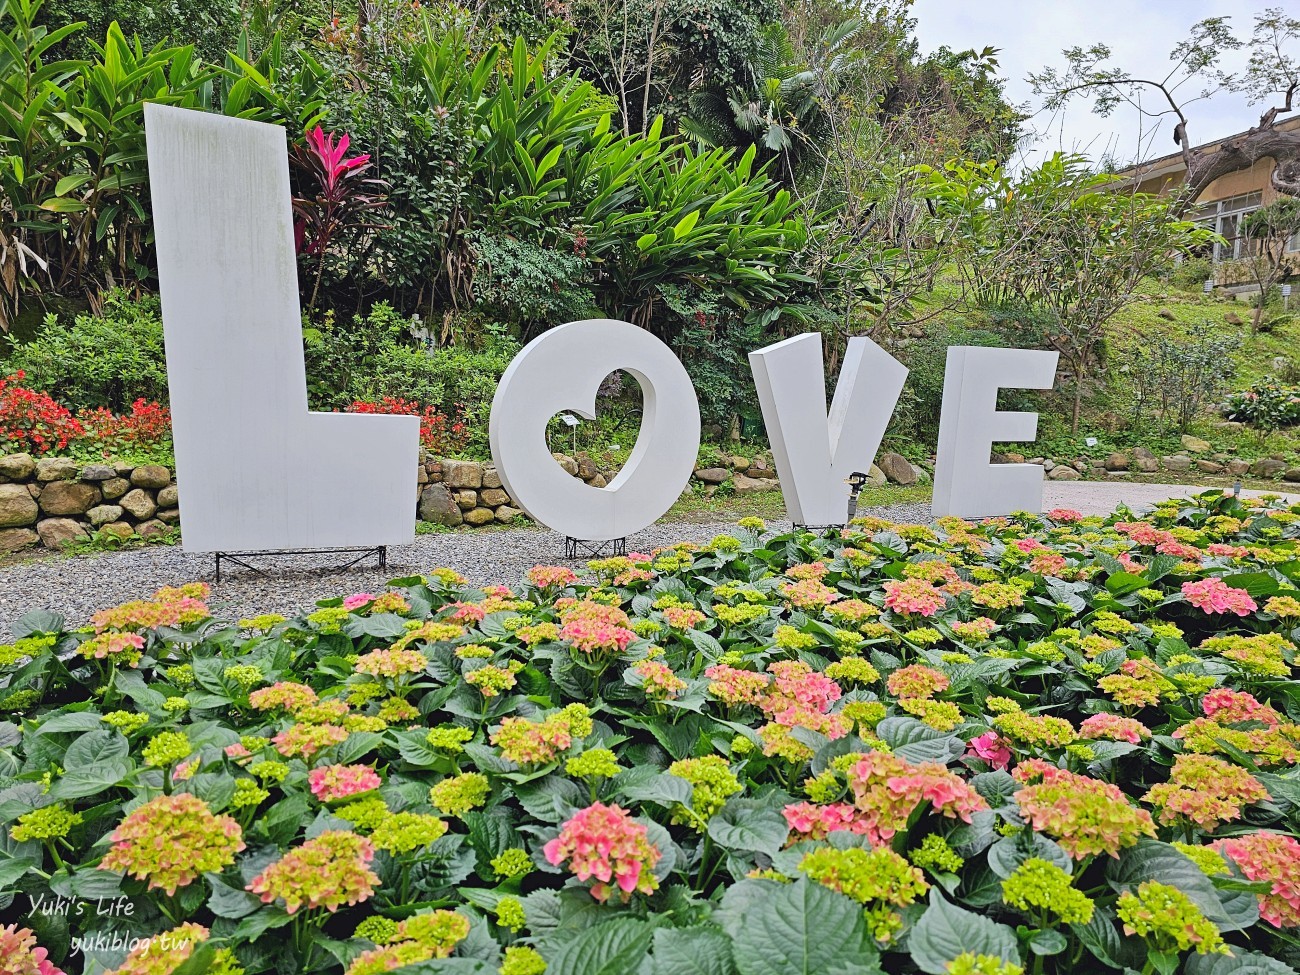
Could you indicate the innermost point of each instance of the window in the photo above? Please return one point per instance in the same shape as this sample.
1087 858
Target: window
1225 216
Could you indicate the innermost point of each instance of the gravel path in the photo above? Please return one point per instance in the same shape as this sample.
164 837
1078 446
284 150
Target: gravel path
76 587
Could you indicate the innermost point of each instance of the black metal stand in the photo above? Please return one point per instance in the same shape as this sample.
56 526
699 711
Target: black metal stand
578 548
818 529
238 558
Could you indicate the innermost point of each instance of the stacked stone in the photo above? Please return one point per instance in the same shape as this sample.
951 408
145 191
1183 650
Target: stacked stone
463 492
54 501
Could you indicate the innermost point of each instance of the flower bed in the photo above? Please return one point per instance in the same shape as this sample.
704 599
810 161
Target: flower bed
1062 745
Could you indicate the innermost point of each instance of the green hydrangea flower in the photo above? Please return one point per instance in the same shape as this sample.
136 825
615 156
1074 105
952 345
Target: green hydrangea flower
449 737
510 913
248 793
125 721
365 814
46 823
1039 885
378 929
167 748
1168 919
402 832
971 964
511 863
458 794
595 763
522 961
712 782
935 854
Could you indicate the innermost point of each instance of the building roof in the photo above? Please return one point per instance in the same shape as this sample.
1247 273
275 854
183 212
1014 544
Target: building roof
1172 164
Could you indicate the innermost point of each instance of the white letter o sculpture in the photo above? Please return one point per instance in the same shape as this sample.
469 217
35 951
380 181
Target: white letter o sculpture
562 369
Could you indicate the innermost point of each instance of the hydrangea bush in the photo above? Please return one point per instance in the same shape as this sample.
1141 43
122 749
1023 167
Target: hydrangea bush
1035 744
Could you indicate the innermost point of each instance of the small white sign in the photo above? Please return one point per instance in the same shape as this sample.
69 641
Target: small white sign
1286 291
1091 441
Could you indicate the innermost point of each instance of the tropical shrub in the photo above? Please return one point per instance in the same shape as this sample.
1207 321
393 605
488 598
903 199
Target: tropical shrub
1267 404
106 360
1175 378
1062 742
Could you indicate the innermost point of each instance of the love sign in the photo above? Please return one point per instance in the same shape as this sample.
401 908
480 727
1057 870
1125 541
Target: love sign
227 275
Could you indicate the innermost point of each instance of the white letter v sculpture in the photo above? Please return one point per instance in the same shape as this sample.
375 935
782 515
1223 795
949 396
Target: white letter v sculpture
815 452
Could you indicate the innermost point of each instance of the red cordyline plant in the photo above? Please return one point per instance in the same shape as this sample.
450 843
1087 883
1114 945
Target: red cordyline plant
439 434
32 421
341 195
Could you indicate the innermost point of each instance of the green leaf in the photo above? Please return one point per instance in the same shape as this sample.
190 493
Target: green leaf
749 824
96 761
614 948
230 902
37 621
1047 942
692 951
1010 852
917 742
1238 963
662 788
1123 583
382 626
1104 941
552 799
685 225
646 241
1152 860
13 869
801 928
946 931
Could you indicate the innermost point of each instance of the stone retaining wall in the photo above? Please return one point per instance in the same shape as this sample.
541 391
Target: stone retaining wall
54 501
467 492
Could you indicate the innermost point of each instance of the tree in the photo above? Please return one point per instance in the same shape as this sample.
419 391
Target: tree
1272 77
1269 229
1057 240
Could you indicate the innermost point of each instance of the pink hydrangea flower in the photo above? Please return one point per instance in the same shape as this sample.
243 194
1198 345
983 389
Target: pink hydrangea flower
605 842
733 685
917 680
328 871
1129 563
992 749
1227 706
1274 858
331 782
595 637
808 594
1216 596
913 597
548 576
468 612
20 955
816 822
357 600
284 694
171 840
798 684
1113 727
1065 515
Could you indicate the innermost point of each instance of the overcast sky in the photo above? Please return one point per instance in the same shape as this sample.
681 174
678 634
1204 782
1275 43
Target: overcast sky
1140 34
